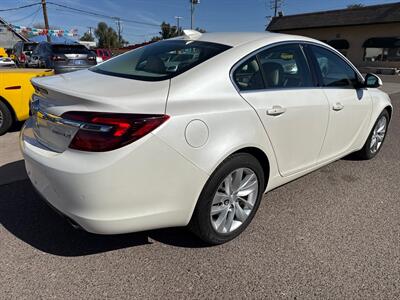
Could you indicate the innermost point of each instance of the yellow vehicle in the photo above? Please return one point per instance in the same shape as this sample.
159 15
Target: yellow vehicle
15 94
3 52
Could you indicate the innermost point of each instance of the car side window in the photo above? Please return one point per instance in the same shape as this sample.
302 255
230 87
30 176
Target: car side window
285 66
335 72
248 75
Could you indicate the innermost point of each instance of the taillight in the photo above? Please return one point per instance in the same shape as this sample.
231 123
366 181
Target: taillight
58 58
100 132
22 57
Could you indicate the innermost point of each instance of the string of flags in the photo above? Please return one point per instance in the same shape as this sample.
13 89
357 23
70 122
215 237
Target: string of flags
40 31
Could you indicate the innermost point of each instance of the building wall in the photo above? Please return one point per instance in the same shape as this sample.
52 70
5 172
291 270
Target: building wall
356 36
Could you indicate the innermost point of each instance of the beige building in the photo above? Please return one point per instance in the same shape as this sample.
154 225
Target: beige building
369 36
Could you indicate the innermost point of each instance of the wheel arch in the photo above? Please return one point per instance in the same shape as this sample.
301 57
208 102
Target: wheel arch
262 158
390 111
10 108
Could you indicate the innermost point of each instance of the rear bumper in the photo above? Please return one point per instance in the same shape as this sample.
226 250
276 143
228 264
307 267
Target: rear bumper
142 186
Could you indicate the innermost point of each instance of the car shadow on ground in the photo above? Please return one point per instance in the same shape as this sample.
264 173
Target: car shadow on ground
25 215
17 126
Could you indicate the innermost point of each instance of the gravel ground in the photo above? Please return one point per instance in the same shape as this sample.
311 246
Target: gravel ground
334 233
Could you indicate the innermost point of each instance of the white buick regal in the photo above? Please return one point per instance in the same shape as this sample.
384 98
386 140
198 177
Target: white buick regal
194 130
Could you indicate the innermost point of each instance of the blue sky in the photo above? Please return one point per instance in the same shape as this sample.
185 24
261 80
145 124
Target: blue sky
212 15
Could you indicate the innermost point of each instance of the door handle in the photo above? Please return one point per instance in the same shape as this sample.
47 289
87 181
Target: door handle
338 106
276 110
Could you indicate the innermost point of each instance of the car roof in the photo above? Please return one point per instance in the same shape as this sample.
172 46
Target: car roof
234 39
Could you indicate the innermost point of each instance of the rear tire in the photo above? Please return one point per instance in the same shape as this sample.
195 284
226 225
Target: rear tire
5 118
376 138
236 211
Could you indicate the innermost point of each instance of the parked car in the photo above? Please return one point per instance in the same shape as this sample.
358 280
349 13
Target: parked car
6 62
15 94
132 145
22 51
63 57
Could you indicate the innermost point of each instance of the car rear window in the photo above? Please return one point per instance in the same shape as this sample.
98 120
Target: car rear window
70 49
161 60
29 47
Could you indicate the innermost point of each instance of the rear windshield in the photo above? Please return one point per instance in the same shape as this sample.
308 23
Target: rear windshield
29 47
161 60
70 49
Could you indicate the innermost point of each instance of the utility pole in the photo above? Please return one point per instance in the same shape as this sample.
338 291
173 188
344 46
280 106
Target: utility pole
90 31
46 20
275 5
119 29
193 3
178 29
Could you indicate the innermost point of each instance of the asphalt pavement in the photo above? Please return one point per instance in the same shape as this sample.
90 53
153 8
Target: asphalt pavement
334 233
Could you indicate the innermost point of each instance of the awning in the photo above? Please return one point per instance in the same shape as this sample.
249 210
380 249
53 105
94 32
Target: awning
384 42
339 44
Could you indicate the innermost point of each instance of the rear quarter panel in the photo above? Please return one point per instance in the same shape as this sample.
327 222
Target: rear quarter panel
206 93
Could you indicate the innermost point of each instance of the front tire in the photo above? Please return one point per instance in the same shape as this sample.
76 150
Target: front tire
229 199
376 137
5 118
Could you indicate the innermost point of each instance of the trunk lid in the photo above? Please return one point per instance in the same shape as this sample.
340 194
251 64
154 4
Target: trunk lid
88 91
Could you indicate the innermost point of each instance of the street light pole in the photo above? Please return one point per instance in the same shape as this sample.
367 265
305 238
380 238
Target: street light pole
192 7
178 29
191 14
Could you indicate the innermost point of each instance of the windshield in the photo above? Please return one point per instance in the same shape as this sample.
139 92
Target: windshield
160 60
29 47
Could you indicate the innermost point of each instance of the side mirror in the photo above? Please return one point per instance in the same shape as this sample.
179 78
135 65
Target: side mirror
372 81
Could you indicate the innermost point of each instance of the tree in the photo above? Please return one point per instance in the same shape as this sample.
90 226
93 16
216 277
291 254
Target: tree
355 5
200 30
107 36
87 37
168 31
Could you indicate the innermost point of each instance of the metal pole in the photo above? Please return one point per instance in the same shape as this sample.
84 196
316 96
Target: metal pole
46 20
191 13
118 21
178 29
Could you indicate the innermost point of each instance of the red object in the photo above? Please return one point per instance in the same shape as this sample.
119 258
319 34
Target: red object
109 131
22 57
104 53
14 87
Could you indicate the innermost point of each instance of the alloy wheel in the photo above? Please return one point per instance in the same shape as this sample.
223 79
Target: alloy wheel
234 200
378 134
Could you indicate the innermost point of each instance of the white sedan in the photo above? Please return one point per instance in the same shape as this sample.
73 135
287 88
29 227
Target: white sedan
132 145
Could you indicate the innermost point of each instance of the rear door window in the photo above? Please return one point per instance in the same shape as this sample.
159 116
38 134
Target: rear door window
248 75
285 66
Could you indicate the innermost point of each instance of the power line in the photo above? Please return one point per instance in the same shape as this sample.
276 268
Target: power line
28 16
87 12
19 7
